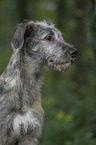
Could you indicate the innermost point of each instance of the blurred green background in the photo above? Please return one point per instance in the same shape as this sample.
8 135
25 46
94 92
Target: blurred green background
68 98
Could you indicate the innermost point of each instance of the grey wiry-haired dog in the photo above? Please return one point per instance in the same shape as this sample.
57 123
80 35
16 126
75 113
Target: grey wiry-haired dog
35 45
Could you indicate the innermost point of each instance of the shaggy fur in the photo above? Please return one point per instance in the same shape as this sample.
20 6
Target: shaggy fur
35 45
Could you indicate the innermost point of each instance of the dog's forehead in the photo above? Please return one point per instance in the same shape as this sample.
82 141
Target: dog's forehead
43 28
48 27
45 24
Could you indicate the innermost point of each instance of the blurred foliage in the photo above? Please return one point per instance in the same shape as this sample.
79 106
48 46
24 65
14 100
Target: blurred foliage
68 98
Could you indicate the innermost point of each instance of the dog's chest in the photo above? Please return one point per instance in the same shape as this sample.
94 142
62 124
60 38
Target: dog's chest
28 120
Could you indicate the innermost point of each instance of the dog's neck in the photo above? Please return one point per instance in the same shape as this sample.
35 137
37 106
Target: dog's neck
25 75
31 68
31 72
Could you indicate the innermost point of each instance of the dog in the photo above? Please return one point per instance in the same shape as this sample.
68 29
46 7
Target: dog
35 45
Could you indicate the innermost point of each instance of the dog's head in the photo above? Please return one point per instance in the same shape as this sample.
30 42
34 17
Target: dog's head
44 42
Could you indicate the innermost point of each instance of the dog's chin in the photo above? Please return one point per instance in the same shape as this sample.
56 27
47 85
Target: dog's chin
60 66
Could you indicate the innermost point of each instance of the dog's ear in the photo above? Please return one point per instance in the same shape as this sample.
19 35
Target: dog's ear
19 36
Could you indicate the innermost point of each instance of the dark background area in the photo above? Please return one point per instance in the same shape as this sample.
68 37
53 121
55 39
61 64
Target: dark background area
69 98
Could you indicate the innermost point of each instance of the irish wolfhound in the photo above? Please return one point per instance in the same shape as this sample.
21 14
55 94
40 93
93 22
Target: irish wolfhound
35 45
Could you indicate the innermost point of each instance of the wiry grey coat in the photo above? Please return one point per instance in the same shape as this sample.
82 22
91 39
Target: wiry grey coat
35 45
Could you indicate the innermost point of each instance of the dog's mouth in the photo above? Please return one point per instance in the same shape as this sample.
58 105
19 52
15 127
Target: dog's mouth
60 66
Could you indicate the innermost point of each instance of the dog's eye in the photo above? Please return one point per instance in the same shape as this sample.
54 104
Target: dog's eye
49 37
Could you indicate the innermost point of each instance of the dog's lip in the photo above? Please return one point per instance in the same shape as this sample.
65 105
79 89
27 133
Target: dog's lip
59 63
69 60
63 63
73 59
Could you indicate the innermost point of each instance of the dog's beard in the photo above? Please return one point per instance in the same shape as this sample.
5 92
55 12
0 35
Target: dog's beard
62 66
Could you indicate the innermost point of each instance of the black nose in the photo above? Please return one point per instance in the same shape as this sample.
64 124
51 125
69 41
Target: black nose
73 53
